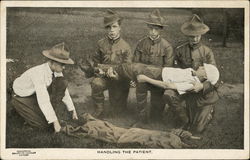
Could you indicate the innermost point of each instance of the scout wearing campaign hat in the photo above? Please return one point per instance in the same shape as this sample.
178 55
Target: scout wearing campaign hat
155 18
111 49
193 55
59 54
111 17
194 27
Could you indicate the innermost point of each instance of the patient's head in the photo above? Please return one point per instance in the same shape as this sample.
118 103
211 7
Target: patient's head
208 72
201 73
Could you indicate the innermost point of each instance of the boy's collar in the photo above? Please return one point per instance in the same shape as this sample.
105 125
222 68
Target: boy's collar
195 46
156 40
114 40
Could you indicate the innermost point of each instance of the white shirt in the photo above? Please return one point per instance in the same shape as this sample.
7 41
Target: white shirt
37 80
182 78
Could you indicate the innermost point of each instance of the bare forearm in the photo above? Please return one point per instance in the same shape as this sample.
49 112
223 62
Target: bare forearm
161 84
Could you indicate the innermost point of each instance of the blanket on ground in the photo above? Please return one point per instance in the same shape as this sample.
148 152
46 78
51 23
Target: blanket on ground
105 131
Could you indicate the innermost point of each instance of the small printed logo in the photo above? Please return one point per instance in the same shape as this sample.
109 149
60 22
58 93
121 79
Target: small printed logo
23 152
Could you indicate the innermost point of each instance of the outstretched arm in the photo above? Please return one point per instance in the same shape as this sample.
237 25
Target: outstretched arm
161 84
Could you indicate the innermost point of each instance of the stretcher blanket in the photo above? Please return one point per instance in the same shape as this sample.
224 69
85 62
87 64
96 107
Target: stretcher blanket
105 131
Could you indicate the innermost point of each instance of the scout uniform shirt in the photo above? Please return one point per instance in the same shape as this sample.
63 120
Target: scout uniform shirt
188 56
157 52
112 51
36 81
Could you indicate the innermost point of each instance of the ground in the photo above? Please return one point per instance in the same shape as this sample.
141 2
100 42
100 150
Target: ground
31 31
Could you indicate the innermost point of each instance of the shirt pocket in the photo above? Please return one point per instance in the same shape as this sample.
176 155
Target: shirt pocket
118 56
157 57
123 55
197 62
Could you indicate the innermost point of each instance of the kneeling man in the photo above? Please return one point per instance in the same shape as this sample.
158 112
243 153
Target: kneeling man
41 86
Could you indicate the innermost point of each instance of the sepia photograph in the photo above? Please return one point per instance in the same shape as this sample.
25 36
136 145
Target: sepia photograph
124 79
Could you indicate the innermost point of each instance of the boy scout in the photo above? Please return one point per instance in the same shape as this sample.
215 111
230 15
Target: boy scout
38 90
153 50
112 49
192 54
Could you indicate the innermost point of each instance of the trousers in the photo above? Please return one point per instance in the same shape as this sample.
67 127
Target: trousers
198 109
157 104
118 91
28 108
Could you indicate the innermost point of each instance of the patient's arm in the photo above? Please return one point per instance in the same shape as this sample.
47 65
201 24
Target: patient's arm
161 84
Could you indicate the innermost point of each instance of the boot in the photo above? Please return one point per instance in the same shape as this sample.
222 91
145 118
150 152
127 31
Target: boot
144 115
99 110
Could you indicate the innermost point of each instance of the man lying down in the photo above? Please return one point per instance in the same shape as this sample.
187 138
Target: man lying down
167 78
105 131
183 80
178 79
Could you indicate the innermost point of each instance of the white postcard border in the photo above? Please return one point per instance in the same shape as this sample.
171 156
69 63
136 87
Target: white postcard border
155 153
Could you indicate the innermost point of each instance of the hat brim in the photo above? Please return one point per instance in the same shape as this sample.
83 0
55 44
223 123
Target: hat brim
156 24
113 21
195 32
46 53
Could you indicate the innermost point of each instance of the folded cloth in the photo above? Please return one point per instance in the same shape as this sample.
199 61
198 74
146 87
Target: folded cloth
105 131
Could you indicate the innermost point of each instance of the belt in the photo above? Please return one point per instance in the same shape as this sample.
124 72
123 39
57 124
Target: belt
17 96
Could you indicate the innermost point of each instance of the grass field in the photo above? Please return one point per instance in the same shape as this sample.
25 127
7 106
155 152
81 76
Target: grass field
29 32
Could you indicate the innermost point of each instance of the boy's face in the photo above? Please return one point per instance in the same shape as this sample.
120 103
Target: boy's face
201 74
154 31
194 39
113 30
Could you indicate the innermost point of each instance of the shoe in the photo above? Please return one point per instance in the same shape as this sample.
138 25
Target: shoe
99 110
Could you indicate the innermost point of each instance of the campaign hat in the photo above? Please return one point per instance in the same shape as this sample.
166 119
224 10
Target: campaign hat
111 17
156 19
58 54
194 27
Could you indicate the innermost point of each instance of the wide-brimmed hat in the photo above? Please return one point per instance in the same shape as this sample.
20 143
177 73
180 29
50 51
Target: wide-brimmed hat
111 17
212 72
194 27
156 19
59 54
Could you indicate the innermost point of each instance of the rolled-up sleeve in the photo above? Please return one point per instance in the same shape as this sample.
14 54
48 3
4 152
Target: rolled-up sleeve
68 101
43 99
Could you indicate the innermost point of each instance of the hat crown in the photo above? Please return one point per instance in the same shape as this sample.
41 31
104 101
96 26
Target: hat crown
194 27
59 51
155 14
59 54
110 12
111 17
155 18
196 19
